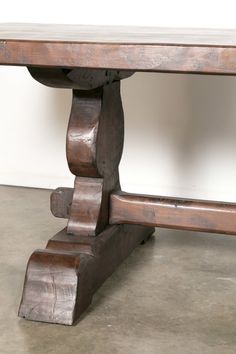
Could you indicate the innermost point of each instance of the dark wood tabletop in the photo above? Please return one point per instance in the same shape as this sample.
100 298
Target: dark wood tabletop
117 47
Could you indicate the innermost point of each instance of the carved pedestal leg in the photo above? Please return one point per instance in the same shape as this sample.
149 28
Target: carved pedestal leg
61 279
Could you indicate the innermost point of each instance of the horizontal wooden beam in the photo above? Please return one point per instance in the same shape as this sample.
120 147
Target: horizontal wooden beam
185 214
175 213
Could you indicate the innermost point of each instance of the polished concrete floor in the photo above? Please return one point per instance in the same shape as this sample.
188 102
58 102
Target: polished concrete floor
175 294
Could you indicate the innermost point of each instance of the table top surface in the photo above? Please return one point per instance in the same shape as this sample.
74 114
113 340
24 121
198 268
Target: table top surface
116 34
122 48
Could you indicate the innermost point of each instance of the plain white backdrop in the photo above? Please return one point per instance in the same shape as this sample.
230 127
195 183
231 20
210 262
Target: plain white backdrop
180 129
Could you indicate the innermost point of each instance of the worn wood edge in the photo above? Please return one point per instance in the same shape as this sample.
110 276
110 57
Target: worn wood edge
150 58
60 202
77 78
121 212
61 280
94 147
94 144
173 213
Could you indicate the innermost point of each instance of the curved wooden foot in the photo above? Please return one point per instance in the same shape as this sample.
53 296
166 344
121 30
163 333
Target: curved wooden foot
61 280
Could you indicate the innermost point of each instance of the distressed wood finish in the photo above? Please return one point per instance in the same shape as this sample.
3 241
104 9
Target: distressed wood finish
61 280
78 78
126 48
176 213
184 214
89 207
95 128
94 147
94 141
60 202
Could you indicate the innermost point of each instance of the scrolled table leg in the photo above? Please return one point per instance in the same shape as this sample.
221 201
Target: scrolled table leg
61 279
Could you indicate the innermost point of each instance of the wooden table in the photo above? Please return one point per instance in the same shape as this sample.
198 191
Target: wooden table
105 224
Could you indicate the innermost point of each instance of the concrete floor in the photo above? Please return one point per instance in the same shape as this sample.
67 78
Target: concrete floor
175 294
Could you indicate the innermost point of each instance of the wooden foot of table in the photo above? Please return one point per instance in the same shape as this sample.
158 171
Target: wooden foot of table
61 280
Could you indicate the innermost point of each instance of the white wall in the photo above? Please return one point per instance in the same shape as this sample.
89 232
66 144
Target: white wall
180 129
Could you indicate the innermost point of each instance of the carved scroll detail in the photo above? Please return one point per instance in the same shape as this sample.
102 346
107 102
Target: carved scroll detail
94 148
61 279
94 141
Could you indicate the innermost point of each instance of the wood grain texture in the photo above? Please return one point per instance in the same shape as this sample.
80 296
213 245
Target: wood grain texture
94 143
136 49
94 147
87 215
77 78
60 202
184 214
95 132
61 280
117 34
178 213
